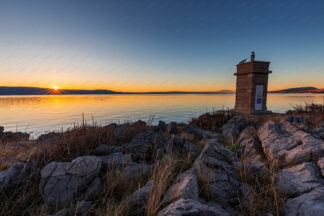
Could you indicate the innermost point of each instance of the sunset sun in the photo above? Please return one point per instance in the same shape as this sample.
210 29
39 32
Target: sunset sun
55 87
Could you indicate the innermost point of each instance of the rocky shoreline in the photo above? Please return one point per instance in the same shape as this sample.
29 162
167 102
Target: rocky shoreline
275 167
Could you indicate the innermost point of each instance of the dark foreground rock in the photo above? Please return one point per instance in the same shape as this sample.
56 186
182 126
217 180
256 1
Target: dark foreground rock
152 145
215 169
17 174
137 202
61 181
101 150
234 126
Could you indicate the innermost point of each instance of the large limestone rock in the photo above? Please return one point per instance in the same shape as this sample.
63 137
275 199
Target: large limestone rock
185 186
146 146
251 153
151 145
62 181
138 200
135 170
288 143
310 204
115 161
215 170
186 207
234 126
14 175
251 146
176 143
299 179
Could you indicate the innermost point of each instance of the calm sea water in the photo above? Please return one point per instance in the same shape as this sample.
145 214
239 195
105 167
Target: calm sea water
40 114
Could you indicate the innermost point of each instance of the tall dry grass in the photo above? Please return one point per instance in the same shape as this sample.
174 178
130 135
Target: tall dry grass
263 197
311 112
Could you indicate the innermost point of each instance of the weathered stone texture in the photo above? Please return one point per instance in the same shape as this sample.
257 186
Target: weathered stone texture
61 181
286 144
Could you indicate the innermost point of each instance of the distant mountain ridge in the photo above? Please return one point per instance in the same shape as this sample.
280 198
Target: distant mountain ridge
299 90
4 90
47 91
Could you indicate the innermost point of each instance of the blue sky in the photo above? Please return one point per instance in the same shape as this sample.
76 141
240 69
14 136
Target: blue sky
158 45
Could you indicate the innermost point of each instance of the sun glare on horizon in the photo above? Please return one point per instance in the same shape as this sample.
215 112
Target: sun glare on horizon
56 88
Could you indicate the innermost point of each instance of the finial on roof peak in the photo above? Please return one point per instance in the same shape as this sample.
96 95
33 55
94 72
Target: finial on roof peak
252 56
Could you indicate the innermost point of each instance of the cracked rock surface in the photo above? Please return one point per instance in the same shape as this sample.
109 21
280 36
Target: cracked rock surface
285 143
61 181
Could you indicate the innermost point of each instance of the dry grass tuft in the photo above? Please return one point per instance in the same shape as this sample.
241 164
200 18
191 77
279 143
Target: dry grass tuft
311 112
263 196
163 176
214 120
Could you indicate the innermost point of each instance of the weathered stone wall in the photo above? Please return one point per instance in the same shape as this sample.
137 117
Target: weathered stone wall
249 75
243 93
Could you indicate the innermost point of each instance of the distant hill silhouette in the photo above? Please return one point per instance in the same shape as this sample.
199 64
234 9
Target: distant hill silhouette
189 92
297 90
46 91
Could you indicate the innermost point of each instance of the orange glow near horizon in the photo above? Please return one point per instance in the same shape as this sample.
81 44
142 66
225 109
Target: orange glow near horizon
158 88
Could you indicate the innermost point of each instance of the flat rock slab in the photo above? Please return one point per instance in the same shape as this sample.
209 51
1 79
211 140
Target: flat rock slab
61 181
286 143
186 207
299 179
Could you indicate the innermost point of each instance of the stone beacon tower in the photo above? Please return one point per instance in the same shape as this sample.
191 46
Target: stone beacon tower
252 86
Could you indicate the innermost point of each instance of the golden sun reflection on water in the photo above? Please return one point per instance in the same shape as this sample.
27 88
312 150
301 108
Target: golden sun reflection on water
40 114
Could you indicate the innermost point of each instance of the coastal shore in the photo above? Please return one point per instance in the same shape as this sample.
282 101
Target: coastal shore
220 163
